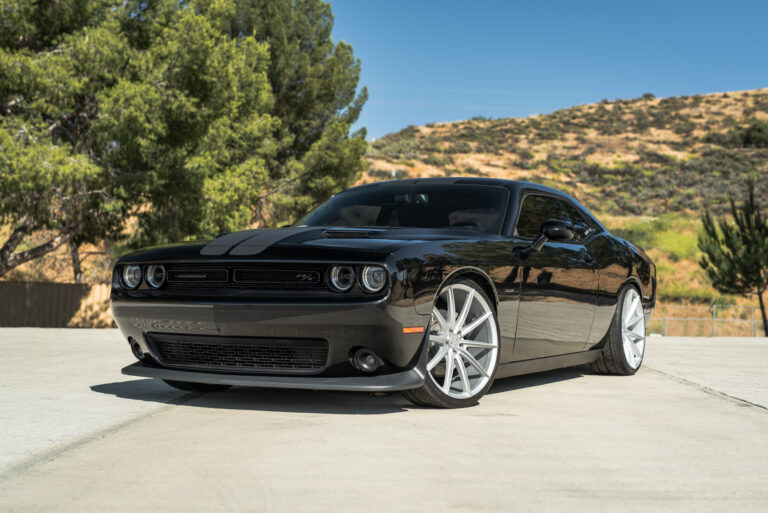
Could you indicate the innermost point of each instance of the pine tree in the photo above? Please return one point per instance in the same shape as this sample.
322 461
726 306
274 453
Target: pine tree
735 251
161 120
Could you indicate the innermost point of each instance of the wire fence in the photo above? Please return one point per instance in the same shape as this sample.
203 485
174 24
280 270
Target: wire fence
707 321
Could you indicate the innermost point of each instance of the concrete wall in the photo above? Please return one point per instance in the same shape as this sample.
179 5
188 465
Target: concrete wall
54 305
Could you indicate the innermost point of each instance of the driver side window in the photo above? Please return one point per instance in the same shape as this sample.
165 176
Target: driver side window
535 210
582 229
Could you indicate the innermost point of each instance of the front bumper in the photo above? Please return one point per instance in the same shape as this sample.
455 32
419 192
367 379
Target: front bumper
377 326
412 378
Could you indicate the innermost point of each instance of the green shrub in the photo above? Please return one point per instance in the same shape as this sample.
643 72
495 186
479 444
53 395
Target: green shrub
756 135
438 160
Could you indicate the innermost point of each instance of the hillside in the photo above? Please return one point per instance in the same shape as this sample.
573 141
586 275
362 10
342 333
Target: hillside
648 167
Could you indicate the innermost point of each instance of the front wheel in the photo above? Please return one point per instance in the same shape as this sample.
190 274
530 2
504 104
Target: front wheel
463 348
624 346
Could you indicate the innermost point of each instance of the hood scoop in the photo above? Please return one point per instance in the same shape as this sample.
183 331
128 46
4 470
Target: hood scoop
348 234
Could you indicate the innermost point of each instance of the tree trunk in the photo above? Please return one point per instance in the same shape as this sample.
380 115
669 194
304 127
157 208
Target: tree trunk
762 311
74 252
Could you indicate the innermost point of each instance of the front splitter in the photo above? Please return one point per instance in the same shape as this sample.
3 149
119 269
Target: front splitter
412 378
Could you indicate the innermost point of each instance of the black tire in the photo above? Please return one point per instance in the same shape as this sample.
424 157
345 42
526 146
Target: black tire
429 394
612 359
196 387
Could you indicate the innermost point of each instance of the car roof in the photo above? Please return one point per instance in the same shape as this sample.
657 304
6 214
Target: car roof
466 180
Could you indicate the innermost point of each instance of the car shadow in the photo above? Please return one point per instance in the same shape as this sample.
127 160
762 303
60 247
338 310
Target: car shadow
538 379
304 401
262 399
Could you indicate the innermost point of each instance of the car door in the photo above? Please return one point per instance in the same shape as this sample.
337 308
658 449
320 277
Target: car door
558 283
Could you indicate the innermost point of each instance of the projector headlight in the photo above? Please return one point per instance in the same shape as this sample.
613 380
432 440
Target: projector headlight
342 277
155 276
132 276
373 278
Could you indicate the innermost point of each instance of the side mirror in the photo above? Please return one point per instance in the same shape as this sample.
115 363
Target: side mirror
556 230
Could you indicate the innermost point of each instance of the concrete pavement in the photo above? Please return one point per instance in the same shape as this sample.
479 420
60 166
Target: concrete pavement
689 432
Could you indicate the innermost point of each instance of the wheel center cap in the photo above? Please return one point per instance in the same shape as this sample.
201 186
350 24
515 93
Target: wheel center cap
453 339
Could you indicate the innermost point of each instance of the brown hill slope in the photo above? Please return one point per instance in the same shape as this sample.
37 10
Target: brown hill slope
641 156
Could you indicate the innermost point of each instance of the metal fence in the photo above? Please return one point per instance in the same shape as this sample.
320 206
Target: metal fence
707 321
54 305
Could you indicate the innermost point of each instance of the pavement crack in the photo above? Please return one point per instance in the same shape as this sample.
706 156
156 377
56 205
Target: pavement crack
710 391
99 434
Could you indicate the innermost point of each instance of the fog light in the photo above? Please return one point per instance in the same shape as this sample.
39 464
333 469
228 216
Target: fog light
136 350
366 360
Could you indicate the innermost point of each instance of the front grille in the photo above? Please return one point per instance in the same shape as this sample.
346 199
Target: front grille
237 354
268 276
259 277
197 275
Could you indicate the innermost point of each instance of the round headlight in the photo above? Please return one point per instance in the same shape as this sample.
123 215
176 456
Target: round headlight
373 278
342 277
155 276
132 276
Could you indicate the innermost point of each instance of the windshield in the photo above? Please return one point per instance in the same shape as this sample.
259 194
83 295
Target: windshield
471 207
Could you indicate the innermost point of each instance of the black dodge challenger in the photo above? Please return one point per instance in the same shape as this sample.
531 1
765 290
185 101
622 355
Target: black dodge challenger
433 287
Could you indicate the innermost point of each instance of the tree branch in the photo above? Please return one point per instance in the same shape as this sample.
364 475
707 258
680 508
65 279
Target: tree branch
22 230
17 259
60 122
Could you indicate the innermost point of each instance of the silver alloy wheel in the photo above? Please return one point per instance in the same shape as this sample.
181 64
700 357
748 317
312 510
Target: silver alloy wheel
633 328
463 342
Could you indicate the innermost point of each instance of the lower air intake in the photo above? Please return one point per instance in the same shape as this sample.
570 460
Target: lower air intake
238 354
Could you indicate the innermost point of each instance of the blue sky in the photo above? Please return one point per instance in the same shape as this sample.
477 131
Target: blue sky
426 60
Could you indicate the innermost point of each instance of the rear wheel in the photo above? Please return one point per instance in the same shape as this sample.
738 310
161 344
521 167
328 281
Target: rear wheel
625 343
195 387
463 348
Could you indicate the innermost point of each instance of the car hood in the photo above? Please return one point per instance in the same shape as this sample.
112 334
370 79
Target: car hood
303 243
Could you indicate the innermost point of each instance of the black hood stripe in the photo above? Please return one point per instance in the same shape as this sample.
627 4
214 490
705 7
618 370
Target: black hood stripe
263 239
220 245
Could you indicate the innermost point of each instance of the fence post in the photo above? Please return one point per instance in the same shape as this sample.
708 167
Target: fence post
665 326
714 320
752 330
